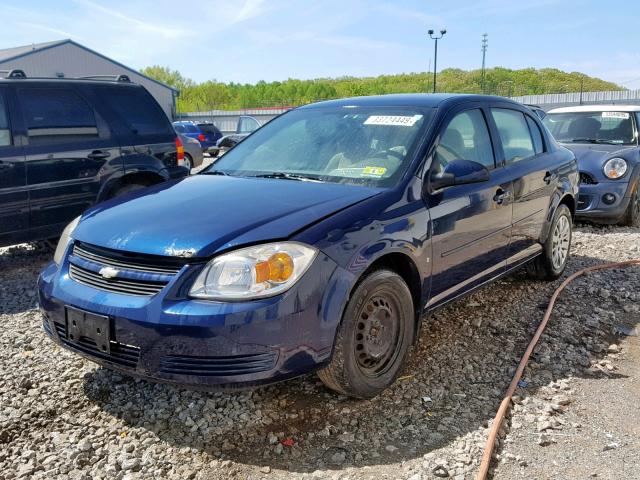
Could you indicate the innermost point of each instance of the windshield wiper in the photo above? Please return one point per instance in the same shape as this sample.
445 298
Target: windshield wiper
594 140
289 176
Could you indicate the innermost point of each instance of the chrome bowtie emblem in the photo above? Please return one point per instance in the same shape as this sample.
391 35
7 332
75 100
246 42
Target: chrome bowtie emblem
109 272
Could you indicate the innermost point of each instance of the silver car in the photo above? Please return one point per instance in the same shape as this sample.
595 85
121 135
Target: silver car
193 156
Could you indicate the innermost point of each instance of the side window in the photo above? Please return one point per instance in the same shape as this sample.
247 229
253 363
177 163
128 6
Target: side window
5 131
514 134
189 128
179 128
137 109
57 115
538 144
466 137
247 125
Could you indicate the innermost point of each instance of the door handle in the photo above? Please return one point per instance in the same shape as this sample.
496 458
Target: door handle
501 195
549 177
98 155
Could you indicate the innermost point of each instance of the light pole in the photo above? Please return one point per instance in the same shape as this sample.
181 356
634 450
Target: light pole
435 54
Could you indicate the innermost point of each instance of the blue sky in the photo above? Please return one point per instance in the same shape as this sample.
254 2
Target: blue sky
251 40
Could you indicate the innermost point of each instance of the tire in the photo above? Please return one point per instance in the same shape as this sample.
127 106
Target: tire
365 362
555 254
188 162
127 188
631 217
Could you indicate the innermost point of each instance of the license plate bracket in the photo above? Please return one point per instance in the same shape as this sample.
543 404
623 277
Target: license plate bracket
88 326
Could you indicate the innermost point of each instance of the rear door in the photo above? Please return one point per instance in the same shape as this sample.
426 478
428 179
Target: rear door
534 176
14 197
69 150
471 223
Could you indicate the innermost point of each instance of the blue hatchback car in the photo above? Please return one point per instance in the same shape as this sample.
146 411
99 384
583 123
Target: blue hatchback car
318 243
604 139
205 132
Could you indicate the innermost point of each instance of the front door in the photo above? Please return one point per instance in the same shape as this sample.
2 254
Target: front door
471 223
14 197
68 154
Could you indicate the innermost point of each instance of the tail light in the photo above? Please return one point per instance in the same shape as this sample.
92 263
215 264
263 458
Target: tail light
179 151
201 137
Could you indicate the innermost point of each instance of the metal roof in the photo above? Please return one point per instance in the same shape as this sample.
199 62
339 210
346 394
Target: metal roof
597 108
407 100
17 52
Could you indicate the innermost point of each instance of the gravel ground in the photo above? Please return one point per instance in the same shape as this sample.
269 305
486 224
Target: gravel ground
576 415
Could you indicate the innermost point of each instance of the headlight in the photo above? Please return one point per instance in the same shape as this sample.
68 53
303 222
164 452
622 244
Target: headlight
253 272
65 238
615 168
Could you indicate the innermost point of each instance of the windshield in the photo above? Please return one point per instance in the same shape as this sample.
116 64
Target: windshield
591 127
368 146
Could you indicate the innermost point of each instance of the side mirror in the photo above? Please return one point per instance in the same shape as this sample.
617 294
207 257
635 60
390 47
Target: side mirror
460 172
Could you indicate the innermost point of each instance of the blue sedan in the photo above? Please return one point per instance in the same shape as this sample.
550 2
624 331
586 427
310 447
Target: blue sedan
604 139
316 244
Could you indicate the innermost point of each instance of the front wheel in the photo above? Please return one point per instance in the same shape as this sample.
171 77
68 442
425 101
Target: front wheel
555 254
632 215
374 337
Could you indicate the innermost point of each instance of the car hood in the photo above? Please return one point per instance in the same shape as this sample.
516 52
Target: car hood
591 157
201 215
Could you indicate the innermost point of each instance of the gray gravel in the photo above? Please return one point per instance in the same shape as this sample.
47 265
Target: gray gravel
64 417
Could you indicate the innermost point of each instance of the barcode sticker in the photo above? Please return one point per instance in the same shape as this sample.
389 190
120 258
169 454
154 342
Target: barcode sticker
615 115
395 120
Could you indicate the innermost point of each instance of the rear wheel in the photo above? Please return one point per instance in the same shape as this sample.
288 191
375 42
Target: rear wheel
551 264
632 215
374 338
188 162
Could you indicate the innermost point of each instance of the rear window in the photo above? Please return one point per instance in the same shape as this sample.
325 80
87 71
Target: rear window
138 110
191 128
208 128
55 115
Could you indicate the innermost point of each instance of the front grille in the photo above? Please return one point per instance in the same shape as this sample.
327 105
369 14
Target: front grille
218 366
137 274
121 354
587 179
116 285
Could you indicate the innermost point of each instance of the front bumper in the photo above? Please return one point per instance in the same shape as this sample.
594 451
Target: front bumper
199 344
592 207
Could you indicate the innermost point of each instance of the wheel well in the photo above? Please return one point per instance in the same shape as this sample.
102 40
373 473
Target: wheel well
140 178
406 268
570 202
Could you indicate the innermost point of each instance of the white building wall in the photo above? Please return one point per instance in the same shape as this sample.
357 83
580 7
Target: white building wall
74 61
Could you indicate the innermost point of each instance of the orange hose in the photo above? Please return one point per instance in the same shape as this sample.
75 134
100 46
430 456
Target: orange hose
504 405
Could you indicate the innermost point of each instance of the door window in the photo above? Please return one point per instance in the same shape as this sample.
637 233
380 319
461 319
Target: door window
5 132
179 128
465 138
247 125
56 115
538 144
515 136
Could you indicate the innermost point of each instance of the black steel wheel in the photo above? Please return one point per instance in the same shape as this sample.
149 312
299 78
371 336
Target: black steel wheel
374 337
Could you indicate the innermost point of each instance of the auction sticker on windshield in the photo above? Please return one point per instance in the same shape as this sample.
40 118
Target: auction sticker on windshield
615 115
401 120
373 171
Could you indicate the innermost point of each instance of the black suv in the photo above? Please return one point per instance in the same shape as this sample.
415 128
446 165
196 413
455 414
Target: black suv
66 144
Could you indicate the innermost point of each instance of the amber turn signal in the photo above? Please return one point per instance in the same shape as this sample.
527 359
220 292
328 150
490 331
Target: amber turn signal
277 268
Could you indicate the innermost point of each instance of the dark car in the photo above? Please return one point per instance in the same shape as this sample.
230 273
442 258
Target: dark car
318 243
246 125
604 139
205 132
66 144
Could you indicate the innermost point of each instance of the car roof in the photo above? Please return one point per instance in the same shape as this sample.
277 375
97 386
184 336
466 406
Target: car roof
408 100
596 108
